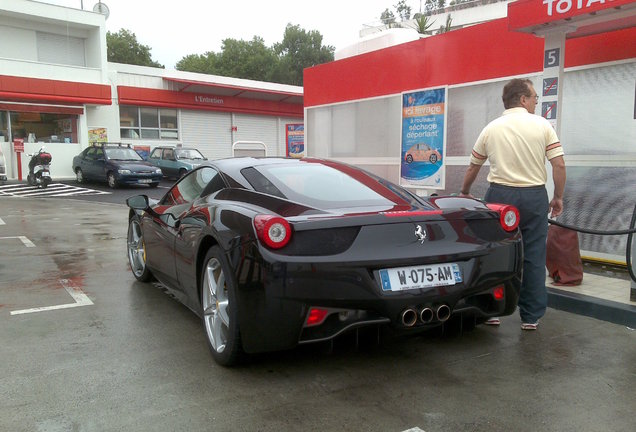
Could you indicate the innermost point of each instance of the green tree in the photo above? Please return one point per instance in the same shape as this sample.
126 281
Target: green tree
298 50
387 17
403 10
123 47
201 63
249 60
282 63
430 6
237 59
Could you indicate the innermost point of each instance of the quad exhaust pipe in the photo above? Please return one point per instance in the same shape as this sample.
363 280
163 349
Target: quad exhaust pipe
443 312
409 316
427 315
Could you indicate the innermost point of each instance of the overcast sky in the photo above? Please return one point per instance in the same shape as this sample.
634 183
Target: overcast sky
176 28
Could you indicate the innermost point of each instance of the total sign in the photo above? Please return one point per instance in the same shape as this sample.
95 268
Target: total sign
565 6
525 14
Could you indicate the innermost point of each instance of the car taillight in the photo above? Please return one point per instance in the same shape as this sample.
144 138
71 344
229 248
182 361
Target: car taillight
508 215
274 231
316 316
499 292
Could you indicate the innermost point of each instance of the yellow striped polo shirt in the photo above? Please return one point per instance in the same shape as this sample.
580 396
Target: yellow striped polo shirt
517 145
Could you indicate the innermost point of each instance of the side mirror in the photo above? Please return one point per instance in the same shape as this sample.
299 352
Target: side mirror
138 202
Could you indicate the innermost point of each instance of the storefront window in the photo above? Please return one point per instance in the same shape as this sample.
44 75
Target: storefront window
44 127
148 123
149 118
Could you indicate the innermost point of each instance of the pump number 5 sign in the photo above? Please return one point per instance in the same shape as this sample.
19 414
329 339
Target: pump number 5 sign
551 58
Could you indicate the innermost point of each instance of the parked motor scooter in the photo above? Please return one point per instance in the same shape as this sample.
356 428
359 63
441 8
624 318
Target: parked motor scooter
3 168
39 168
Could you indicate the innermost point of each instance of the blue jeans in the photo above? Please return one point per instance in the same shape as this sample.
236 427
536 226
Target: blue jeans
533 206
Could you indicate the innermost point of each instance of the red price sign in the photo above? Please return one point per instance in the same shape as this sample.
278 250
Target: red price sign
18 145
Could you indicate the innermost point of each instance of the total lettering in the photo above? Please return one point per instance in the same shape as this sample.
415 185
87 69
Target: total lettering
565 6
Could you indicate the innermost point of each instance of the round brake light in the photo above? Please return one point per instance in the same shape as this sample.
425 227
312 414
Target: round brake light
508 215
274 231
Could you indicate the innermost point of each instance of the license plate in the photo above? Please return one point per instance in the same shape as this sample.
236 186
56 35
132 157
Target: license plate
45 174
144 181
418 277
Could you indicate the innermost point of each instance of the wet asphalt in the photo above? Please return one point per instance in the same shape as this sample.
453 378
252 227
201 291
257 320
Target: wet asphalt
128 357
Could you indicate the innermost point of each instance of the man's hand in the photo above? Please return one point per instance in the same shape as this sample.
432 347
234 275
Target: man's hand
556 207
469 179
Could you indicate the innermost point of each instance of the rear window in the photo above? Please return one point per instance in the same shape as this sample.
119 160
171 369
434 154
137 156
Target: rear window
323 186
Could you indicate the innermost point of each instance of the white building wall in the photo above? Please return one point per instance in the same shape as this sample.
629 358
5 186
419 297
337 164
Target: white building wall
20 56
22 46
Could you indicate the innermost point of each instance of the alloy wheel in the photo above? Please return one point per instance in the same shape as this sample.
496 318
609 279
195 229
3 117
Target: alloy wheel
136 249
215 305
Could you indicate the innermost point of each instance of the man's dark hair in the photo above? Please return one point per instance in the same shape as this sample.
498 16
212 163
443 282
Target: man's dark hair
513 91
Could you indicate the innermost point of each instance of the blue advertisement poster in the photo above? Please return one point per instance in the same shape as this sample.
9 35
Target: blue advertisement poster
423 139
295 137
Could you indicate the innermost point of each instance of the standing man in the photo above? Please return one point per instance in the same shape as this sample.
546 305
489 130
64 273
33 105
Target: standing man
517 145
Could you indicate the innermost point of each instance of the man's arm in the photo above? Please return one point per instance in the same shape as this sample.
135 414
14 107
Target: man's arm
469 179
558 175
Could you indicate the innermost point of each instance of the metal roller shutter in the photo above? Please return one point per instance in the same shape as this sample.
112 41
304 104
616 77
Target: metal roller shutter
210 132
259 128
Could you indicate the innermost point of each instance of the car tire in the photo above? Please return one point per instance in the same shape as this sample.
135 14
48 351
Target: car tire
79 175
137 251
154 185
220 309
182 172
111 180
409 158
433 158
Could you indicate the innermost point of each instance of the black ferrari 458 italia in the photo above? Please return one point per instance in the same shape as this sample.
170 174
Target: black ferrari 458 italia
275 252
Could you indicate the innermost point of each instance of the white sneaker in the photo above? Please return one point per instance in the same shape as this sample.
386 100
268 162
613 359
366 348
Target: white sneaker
529 326
493 321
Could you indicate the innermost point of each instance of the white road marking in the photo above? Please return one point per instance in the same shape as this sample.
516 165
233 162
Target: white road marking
415 429
23 239
2 222
54 190
80 298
